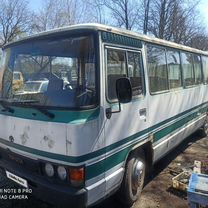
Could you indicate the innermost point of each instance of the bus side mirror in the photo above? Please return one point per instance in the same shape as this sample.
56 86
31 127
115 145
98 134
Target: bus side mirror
124 94
123 90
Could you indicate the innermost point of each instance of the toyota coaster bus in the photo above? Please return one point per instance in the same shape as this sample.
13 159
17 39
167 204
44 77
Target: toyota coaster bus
113 103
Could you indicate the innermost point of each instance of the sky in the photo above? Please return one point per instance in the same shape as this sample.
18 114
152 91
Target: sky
35 4
203 8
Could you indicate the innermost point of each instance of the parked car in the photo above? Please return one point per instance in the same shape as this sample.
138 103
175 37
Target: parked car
34 86
18 80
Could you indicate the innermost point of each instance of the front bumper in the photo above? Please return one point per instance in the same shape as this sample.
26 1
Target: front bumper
44 189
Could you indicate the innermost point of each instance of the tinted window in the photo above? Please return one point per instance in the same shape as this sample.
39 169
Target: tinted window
116 68
205 68
197 69
174 68
188 70
135 72
157 69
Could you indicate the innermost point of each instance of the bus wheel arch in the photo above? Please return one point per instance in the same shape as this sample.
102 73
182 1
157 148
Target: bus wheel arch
147 148
136 169
205 127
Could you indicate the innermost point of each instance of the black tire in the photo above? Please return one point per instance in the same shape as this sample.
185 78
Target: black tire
133 181
205 127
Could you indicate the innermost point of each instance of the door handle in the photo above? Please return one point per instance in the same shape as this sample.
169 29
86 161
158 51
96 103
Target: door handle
143 113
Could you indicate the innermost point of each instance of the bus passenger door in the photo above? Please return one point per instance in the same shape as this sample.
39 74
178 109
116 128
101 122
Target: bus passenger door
128 127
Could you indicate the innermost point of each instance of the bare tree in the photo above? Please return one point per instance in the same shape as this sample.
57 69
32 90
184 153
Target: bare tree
124 12
59 13
199 41
52 15
160 18
185 23
146 9
143 15
14 19
97 11
175 20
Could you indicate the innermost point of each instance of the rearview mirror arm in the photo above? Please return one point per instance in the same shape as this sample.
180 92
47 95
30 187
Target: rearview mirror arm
109 111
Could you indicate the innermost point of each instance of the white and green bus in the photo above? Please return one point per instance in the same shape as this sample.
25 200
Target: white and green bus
96 107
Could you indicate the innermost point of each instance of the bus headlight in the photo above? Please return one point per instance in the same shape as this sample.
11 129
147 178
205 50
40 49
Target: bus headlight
62 172
49 169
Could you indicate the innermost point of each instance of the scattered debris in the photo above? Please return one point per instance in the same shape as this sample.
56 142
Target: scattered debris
204 168
198 190
197 166
174 172
181 178
181 181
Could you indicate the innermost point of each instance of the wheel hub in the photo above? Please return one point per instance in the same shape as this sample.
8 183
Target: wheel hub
206 127
137 174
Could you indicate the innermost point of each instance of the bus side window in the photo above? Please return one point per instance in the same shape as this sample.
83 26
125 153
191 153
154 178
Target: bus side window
174 68
135 72
205 68
197 69
157 66
116 68
188 69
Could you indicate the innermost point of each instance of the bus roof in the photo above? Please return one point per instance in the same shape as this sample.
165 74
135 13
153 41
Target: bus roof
101 27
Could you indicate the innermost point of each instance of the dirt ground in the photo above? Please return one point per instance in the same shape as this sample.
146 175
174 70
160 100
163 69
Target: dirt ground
157 193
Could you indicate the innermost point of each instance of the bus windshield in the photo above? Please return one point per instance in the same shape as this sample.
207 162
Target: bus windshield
60 72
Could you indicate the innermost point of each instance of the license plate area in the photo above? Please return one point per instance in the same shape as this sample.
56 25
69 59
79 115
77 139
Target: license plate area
17 179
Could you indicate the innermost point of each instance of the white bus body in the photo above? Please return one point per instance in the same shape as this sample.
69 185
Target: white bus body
75 143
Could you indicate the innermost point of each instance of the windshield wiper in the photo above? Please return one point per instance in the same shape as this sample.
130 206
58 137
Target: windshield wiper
6 102
44 111
39 108
24 101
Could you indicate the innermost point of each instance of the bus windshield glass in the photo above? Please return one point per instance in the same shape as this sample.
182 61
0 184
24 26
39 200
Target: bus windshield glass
54 72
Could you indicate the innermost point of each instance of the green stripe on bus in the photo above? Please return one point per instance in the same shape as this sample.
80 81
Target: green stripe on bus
106 164
49 155
119 157
164 132
61 116
79 159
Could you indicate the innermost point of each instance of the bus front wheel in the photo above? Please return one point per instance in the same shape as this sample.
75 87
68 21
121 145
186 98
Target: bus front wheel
205 127
133 180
